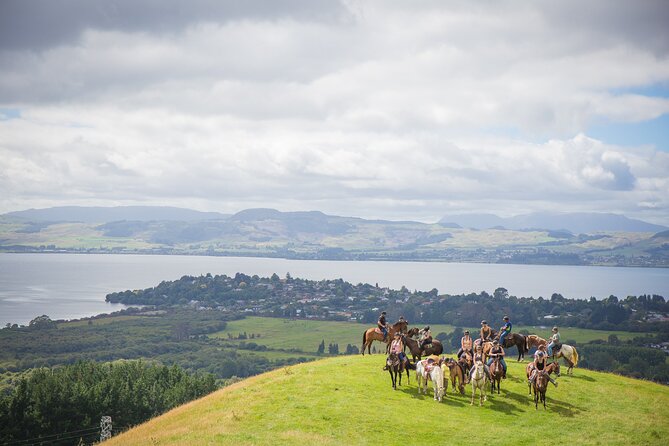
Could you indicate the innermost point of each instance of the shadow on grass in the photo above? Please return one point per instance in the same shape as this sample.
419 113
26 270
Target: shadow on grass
582 377
450 399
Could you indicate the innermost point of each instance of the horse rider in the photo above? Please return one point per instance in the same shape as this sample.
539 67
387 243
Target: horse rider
426 337
486 332
383 325
478 356
465 344
504 330
397 347
497 351
555 341
540 358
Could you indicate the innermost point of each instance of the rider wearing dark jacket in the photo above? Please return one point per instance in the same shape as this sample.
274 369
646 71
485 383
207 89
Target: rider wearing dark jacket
383 325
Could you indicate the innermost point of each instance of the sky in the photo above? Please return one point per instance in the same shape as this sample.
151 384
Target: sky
376 109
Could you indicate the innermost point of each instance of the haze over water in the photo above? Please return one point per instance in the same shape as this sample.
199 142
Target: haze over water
67 286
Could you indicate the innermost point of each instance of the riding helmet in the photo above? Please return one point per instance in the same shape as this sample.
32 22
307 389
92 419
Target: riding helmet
506 318
427 327
555 329
484 323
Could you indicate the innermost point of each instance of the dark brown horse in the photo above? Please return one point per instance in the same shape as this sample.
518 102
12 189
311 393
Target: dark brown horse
514 340
395 367
414 347
373 334
540 385
496 372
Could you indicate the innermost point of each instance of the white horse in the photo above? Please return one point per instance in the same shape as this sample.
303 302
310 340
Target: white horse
478 382
435 375
570 356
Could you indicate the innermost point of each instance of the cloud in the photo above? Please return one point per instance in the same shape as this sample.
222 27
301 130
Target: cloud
377 109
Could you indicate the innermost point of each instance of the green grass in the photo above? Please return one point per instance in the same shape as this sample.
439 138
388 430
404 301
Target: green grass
305 335
348 400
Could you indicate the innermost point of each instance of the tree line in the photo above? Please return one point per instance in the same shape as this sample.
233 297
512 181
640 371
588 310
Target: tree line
49 401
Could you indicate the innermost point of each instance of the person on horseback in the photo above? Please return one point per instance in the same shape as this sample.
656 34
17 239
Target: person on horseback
555 341
397 347
540 358
497 352
486 332
465 344
383 325
504 330
478 356
426 337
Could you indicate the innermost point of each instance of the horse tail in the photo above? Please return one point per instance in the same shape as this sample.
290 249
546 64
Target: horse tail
575 356
364 341
527 343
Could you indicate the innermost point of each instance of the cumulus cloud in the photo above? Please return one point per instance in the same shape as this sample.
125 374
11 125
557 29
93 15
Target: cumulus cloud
376 109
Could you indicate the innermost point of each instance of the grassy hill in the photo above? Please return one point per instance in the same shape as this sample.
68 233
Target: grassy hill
348 399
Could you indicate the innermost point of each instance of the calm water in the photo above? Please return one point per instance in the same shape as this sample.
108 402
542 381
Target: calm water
66 286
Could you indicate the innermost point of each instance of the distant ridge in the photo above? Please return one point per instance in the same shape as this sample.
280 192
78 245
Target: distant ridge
99 214
577 223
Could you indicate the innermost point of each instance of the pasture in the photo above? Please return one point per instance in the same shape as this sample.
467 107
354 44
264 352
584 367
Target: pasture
348 399
305 335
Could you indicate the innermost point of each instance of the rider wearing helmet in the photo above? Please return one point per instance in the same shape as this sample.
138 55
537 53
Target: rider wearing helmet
504 330
465 344
426 337
486 331
497 351
397 347
478 356
383 325
555 341
540 358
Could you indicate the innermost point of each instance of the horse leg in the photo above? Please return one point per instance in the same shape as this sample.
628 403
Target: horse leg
473 393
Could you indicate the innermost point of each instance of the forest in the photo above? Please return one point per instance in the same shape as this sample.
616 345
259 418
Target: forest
64 405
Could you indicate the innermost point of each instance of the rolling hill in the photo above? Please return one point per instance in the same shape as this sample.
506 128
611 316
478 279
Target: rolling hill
348 400
315 235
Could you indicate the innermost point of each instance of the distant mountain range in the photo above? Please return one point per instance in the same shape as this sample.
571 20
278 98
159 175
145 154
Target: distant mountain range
577 223
575 239
106 214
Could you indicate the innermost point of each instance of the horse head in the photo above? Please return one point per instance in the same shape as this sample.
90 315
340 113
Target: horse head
413 332
556 368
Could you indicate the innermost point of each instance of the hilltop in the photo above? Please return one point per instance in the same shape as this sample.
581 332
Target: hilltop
348 399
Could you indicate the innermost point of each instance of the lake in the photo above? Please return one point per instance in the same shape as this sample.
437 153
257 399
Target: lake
68 286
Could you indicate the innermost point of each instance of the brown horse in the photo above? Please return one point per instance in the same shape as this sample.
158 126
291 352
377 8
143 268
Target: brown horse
418 353
496 372
373 334
534 341
540 386
514 340
457 375
553 367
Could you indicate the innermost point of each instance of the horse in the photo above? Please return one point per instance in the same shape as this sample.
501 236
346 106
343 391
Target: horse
374 334
414 347
395 367
550 368
435 374
540 386
514 340
570 356
456 373
534 341
496 372
479 382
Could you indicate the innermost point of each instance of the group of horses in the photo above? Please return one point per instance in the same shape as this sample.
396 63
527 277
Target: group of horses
457 370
